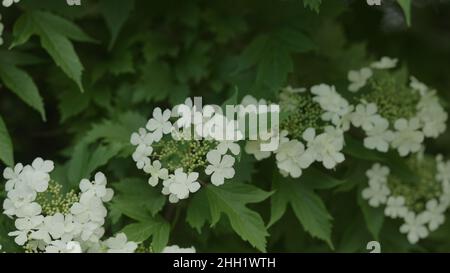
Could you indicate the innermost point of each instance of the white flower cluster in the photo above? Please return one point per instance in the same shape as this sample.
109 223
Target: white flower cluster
202 140
80 229
405 134
315 145
417 224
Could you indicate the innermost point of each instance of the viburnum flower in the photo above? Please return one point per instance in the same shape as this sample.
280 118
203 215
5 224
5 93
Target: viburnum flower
97 187
358 79
141 155
156 172
325 147
180 184
385 63
334 105
159 124
228 145
418 86
443 170
378 175
289 158
220 167
120 244
376 195
432 115
379 136
414 227
177 249
434 214
408 138
395 207
24 227
365 116
59 246
8 3
142 137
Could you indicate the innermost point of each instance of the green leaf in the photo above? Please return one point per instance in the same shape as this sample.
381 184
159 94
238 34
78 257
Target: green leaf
307 206
406 7
197 213
85 161
6 147
315 179
270 54
231 199
54 33
157 228
374 217
136 199
20 83
116 13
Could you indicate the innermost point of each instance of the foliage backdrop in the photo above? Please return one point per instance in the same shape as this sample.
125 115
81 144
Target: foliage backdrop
76 81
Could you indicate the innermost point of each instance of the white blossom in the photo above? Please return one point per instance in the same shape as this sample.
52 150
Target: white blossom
358 79
177 249
120 244
365 115
180 184
408 137
376 194
159 124
220 168
395 207
141 155
156 172
8 3
289 158
414 227
385 63
379 136
434 214
325 147
334 105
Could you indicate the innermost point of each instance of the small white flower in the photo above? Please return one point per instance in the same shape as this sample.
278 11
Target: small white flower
365 115
379 137
378 175
141 155
220 168
160 123
120 244
156 172
358 79
8 3
443 171
395 207
334 105
385 63
325 147
432 115
434 214
289 158
141 138
181 184
376 194
59 246
414 226
408 137
415 84
177 249
97 187
226 145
